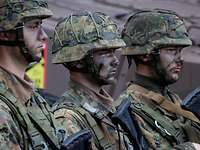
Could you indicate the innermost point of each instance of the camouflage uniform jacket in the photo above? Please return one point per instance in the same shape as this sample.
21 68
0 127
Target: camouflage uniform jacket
25 119
188 130
84 102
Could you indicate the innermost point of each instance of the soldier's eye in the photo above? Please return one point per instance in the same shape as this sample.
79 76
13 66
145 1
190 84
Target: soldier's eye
34 25
105 53
171 51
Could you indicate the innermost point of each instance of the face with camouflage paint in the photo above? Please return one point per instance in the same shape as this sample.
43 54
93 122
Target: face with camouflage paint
147 30
81 32
169 64
106 63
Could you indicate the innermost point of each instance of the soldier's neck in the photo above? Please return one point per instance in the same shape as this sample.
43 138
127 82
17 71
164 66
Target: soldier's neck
11 61
87 82
146 70
85 79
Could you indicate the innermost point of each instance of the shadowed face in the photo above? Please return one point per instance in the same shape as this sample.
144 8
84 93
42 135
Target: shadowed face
170 63
106 63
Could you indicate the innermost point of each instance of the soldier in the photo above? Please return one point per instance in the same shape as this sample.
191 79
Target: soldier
155 40
85 43
26 122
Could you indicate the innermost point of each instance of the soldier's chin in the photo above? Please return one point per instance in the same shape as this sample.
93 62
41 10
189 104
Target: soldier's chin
107 81
172 79
176 77
35 59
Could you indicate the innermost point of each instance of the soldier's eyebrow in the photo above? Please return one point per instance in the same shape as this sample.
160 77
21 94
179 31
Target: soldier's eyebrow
173 48
32 20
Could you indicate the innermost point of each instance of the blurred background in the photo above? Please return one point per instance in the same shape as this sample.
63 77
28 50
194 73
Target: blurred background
55 77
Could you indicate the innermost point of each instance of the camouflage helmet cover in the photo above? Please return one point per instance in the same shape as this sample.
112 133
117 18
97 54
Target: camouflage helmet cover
12 12
148 30
79 33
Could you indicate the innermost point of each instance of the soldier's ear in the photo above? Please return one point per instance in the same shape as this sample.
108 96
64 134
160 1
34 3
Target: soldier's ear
145 58
79 64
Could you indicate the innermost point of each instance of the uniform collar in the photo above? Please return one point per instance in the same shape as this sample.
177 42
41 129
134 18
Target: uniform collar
21 88
96 95
150 84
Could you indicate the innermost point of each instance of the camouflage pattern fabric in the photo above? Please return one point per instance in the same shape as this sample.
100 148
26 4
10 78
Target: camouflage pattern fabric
18 114
79 33
13 12
185 146
9 130
156 141
78 95
146 31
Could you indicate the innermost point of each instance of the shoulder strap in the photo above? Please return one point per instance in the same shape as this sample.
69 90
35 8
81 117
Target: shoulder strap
154 118
163 126
162 102
23 118
87 120
43 120
4 97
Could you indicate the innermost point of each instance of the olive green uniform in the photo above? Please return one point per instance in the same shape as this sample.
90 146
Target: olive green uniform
88 111
84 107
24 116
162 121
26 120
150 125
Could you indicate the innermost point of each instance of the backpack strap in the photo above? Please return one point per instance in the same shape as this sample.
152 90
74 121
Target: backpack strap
154 118
163 103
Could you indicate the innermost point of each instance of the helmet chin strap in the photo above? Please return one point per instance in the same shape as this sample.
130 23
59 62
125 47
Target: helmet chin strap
11 43
19 37
19 41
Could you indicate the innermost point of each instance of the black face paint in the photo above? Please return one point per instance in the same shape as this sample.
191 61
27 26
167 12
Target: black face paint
102 65
92 68
168 65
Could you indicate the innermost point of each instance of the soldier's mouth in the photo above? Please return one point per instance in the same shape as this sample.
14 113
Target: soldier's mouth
177 69
114 71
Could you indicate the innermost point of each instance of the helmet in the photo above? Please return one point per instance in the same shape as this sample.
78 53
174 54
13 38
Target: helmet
146 31
12 12
79 33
